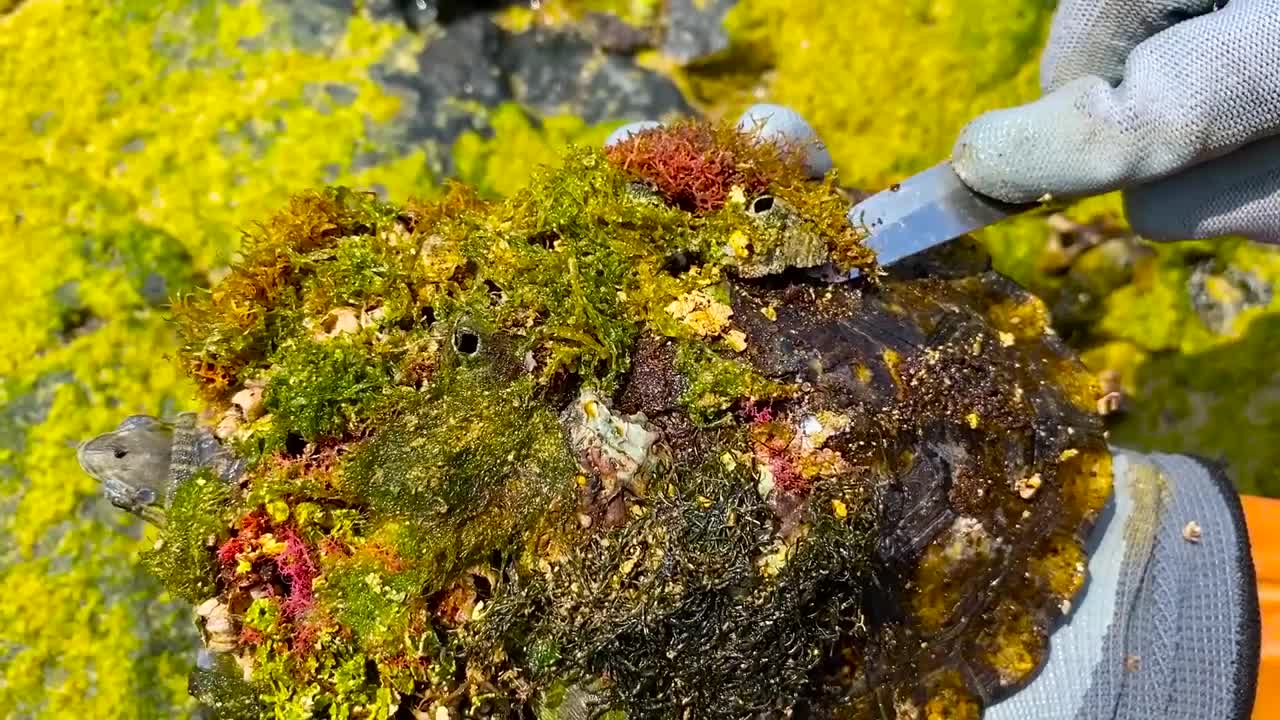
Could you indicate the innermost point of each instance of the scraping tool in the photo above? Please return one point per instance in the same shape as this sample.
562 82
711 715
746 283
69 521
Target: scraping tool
926 210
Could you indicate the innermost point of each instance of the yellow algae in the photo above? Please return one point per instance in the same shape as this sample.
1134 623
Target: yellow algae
1013 646
1061 565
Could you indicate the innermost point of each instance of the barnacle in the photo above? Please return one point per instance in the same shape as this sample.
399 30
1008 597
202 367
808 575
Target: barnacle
509 456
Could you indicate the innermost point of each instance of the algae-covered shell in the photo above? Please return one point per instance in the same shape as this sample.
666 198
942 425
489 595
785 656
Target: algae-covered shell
581 453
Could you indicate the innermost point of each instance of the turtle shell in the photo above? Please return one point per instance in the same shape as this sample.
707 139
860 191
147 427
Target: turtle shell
614 445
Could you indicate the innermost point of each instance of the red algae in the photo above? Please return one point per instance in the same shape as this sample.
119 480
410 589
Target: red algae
297 567
695 165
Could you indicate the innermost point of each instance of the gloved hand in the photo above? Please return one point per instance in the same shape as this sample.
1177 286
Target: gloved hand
1172 101
1167 627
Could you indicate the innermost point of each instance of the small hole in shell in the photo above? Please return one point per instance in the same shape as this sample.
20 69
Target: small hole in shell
466 342
762 204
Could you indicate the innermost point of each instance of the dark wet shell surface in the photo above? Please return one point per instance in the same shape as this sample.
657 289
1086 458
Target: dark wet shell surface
951 418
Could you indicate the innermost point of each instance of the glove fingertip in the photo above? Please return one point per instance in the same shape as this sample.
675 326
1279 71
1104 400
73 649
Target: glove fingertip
986 157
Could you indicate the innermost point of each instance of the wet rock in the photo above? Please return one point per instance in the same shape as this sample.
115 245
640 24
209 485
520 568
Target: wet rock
612 34
475 65
459 67
555 72
1069 239
417 14
695 29
1219 297
769 450
626 131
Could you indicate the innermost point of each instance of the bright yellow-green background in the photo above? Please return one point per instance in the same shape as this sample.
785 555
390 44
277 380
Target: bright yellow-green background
138 136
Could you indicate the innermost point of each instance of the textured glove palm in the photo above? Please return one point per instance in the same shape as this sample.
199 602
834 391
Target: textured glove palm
1167 628
1177 102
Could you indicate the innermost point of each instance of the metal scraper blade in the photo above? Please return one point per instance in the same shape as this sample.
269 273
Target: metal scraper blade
924 211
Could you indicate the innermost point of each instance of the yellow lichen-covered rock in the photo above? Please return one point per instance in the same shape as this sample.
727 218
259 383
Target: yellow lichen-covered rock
124 182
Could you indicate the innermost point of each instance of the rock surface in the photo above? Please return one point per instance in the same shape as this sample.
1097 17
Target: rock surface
695 29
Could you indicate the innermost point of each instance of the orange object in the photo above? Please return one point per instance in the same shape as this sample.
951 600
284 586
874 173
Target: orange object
1262 515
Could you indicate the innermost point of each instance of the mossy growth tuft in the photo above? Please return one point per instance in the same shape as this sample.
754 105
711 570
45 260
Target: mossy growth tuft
232 330
183 558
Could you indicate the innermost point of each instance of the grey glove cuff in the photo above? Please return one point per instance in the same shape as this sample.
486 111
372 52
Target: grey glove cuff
1168 626
1194 628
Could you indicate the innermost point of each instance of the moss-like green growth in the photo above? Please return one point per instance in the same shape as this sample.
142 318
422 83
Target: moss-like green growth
233 330
182 558
441 471
658 634
715 383
320 387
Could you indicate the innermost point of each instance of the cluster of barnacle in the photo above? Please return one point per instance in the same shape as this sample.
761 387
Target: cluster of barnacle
603 444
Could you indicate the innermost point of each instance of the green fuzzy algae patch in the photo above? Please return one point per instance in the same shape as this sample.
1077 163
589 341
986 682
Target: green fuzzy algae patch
138 137
565 448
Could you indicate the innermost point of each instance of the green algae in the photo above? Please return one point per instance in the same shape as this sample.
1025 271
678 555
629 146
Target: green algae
1132 309
439 472
421 346
715 383
181 558
1191 384
503 445
320 389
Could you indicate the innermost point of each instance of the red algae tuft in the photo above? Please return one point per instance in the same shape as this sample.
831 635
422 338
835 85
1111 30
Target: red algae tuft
696 165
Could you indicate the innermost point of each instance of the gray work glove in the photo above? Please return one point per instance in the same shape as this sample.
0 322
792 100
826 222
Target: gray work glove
1168 626
1173 101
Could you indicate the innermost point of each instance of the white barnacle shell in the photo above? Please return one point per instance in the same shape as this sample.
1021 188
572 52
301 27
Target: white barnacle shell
216 625
615 447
